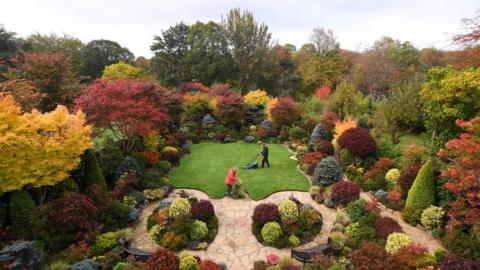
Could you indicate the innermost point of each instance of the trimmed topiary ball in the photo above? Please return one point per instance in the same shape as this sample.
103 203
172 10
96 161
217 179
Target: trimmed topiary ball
198 230
386 226
358 141
344 192
271 232
288 211
327 172
203 210
163 259
188 263
265 212
432 217
179 207
356 209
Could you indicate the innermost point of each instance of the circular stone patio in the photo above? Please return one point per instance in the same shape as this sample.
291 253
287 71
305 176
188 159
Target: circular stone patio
237 247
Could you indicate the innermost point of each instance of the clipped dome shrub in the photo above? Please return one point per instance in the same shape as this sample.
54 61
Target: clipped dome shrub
188 263
344 192
396 241
265 212
288 211
296 133
356 209
358 141
327 172
271 232
432 217
179 207
386 226
203 210
162 259
198 230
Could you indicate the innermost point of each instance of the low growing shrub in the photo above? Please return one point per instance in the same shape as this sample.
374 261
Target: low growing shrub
462 244
271 232
371 256
21 255
356 210
288 211
202 210
265 212
344 192
198 230
386 226
432 217
163 259
179 207
105 242
453 262
327 172
188 263
397 240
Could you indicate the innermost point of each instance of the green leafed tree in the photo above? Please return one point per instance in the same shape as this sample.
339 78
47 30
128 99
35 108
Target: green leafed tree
100 53
250 44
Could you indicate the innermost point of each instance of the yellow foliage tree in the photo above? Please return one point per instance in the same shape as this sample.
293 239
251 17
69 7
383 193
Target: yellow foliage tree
342 126
124 71
256 98
39 149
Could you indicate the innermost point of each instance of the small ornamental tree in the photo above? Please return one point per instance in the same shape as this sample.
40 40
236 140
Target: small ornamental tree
283 111
464 173
196 106
422 193
229 108
124 71
128 108
358 141
257 98
53 75
26 139
344 192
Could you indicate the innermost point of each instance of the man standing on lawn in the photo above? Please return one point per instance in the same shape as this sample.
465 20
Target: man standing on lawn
264 154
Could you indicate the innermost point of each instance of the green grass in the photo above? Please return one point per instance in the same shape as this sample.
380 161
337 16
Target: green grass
207 165
410 139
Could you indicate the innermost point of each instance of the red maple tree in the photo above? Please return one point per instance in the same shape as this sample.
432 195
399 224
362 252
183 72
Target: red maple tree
463 155
128 108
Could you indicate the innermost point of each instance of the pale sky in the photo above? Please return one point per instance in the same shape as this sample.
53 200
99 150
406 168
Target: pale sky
356 23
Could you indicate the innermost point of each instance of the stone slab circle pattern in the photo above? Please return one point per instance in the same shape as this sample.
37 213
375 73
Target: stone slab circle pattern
237 247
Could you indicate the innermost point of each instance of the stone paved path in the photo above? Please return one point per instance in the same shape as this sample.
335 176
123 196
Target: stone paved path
236 246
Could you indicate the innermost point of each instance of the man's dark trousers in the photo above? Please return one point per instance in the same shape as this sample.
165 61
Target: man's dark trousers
265 160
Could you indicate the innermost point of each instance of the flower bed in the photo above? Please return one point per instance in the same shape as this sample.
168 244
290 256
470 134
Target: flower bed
183 224
288 224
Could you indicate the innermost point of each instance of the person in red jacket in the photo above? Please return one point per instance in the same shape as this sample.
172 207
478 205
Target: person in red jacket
230 180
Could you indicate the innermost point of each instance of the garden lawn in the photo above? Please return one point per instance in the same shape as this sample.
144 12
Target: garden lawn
207 165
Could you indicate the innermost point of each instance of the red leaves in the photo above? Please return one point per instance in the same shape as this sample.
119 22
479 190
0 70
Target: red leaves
464 173
284 111
129 108
358 142
323 92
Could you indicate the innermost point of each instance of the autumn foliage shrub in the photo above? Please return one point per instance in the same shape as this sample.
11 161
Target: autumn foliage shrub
229 109
265 212
329 119
344 192
209 265
163 259
151 158
385 226
72 217
202 210
192 88
283 111
454 262
375 177
325 147
358 141
323 92
371 256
